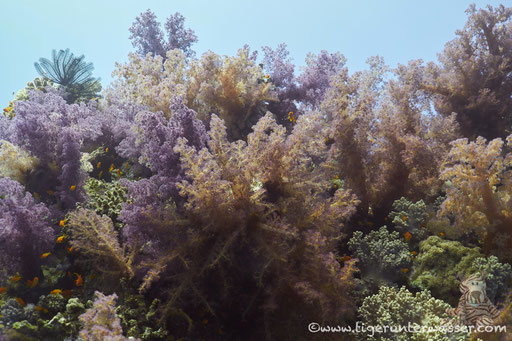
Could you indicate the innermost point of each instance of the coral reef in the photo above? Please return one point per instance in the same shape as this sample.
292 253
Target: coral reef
394 307
437 265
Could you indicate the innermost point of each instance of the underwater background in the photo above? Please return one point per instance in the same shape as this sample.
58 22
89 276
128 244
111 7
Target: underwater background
219 197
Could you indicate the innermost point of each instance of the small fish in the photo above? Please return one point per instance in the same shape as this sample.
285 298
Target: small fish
50 192
385 218
56 292
291 117
346 258
267 76
37 196
205 321
118 171
336 177
60 239
32 283
79 281
98 165
404 218
3 290
20 301
100 174
414 253
111 167
62 223
407 236
441 234
404 270
72 188
372 140
39 308
106 149
15 278
70 249
44 255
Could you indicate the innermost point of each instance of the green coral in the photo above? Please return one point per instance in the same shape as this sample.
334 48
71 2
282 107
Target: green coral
139 320
410 217
381 252
105 198
54 303
437 265
498 278
399 307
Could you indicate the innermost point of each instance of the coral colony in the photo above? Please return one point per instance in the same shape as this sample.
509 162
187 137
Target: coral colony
227 198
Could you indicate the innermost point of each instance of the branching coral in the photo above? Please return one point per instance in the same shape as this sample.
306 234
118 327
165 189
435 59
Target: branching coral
147 36
473 79
254 219
478 191
95 238
382 144
231 87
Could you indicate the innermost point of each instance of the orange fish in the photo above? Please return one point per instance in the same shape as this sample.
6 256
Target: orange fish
32 283
291 117
98 165
20 301
111 168
62 223
3 290
118 171
50 192
404 218
15 278
385 218
106 149
60 239
407 236
70 249
414 253
404 270
346 258
79 281
56 292
372 140
441 234
44 255
72 188
38 308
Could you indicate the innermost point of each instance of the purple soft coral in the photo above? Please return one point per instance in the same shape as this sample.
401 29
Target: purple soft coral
24 230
